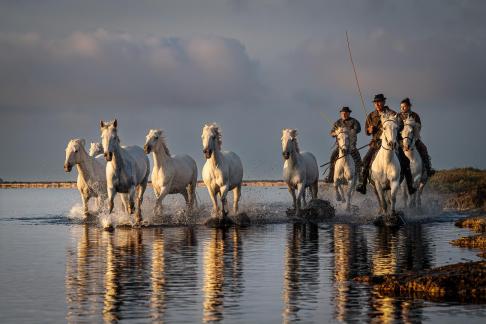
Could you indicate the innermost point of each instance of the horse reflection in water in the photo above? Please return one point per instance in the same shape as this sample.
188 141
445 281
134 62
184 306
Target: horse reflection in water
394 252
301 277
223 271
350 260
113 274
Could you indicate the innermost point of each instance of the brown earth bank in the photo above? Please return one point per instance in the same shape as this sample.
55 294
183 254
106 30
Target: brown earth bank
477 224
464 282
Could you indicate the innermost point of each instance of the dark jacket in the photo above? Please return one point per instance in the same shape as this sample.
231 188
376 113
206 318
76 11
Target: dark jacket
374 120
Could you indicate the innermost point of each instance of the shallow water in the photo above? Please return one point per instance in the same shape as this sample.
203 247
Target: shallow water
54 268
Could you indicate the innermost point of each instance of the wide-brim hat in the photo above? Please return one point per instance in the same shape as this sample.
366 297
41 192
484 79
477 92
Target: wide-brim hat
345 109
379 97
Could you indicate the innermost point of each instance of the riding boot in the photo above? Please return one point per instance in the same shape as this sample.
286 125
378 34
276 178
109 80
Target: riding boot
424 154
363 180
408 177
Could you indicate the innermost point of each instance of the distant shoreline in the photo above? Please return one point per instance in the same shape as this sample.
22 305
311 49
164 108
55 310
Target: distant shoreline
72 184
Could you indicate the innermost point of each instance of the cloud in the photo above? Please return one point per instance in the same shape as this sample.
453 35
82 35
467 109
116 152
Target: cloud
436 68
104 68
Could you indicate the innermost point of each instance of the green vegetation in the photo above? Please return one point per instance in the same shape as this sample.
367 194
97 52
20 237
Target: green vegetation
467 184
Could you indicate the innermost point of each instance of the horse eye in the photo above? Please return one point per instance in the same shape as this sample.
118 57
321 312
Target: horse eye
156 137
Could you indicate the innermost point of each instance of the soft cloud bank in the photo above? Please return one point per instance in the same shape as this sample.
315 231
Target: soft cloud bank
118 69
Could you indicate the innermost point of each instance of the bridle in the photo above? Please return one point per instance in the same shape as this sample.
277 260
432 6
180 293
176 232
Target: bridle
384 134
343 149
412 139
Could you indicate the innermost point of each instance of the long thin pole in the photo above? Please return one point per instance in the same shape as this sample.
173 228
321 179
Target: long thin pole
356 76
359 148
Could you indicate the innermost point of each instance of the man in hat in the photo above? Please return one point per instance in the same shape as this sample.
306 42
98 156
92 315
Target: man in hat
405 113
374 128
353 125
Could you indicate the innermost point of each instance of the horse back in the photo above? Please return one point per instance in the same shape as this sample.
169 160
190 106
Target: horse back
235 167
140 162
186 168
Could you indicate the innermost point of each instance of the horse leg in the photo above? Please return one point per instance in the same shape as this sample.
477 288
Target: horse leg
85 199
236 198
314 189
381 198
303 197
223 191
351 185
300 193
294 200
125 202
158 203
212 195
185 194
394 185
131 200
336 189
111 197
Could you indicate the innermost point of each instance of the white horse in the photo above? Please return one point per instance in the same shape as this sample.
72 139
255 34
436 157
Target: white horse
170 174
222 171
344 170
127 170
385 169
95 149
91 173
300 169
409 136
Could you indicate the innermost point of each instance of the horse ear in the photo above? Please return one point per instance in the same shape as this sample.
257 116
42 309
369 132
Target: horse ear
83 142
102 124
115 123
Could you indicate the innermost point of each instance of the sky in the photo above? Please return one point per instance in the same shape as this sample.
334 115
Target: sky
252 66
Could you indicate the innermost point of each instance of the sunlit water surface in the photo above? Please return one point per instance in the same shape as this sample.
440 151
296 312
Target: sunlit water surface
55 268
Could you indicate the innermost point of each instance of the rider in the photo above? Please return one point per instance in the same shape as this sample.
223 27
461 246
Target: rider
345 121
374 128
406 112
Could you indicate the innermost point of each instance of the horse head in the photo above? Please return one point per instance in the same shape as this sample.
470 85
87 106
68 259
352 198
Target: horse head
154 138
211 139
408 133
289 142
73 155
109 138
343 139
389 124
95 149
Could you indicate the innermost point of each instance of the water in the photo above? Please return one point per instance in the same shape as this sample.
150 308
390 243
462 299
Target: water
54 268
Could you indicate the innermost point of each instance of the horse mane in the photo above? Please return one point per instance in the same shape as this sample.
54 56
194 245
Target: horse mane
163 141
293 135
80 141
410 121
216 130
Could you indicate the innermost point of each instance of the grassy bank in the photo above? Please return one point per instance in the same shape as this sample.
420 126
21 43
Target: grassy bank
465 187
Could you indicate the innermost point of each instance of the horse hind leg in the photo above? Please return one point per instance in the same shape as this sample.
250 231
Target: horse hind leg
236 198
314 189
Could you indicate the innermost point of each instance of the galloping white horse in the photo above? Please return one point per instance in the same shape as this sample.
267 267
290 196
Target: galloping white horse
409 136
95 149
91 173
127 170
385 169
170 174
300 169
222 171
344 170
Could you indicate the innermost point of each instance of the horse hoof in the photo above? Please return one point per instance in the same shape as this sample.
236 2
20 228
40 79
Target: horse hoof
109 228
